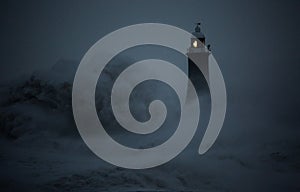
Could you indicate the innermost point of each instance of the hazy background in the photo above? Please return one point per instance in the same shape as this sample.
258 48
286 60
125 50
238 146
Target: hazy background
255 42
256 46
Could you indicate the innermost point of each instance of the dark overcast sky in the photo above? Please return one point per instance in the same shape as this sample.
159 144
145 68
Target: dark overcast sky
255 42
38 33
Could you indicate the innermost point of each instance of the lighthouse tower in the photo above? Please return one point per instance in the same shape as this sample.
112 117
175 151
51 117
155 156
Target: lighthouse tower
198 52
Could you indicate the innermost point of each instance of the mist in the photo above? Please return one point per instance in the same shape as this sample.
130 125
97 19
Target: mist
254 42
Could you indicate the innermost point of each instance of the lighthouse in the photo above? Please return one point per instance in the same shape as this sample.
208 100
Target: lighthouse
198 52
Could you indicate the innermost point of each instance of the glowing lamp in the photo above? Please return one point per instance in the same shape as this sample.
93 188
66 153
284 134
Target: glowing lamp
195 44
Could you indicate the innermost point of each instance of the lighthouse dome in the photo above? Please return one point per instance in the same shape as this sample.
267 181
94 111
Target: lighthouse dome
198 34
